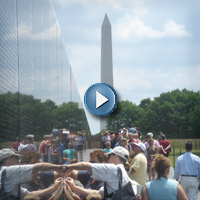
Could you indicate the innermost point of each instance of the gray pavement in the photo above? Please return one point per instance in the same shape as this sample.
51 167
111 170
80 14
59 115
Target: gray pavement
86 157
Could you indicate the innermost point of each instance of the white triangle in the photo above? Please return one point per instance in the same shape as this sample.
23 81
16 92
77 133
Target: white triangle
100 99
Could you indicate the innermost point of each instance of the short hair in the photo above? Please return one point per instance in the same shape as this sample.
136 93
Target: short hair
147 136
123 161
188 146
116 133
100 155
56 126
160 164
28 155
124 140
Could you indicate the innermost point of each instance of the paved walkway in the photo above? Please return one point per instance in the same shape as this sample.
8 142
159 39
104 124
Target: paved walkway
86 157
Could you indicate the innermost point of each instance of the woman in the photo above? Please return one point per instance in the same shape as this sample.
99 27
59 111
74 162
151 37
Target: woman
165 146
105 139
152 152
108 149
69 154
162 187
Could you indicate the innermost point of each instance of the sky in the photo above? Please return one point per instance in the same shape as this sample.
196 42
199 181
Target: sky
155 45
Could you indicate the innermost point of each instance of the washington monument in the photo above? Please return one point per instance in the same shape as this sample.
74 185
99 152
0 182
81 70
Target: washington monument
106 60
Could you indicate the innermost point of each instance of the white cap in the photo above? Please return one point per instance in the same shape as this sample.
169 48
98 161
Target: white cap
66 132
120 151
150 134
141 145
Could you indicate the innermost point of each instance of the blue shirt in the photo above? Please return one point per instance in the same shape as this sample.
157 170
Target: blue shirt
62 148
187 164
159 189
118 144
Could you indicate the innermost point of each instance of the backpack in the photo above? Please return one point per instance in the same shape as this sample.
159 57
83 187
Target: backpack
4 195
124 192
46 146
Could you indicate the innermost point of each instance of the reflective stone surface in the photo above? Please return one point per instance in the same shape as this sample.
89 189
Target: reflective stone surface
37 87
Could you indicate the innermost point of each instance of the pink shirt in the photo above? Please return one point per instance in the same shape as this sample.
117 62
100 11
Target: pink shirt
155 143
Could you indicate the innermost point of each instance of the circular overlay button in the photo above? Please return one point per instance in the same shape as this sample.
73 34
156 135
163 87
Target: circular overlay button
100 99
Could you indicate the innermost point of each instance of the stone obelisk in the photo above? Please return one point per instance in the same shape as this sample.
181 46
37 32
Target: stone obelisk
106 60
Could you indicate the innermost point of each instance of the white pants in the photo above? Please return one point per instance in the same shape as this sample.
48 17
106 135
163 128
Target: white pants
190 186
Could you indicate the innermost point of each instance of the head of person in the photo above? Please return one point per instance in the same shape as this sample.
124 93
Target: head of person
132 130
130 135
47 137
131 156
148 137
161 165
123 142
108 145
8 157
106 133
117 135
29 140
30 157
163 137
135 136
98 156
119 155
132 125
18 140
188 146
56 126
60 133
55 143
120 138
65 134
139 148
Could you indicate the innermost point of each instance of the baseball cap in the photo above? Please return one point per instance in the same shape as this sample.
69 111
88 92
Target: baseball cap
150 134
141 145
120 151
132 130
66 132
6 152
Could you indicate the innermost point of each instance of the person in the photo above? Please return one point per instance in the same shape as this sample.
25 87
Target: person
33 140
105 139
15 145
55 151
132 141
164 146
44 147
139 165
106 172
108 149
159 136
155 142
188 169
55 132
162 187
65 139
72 137
123 143
120 140
85 177
79 146
69 154
138 132
152 152
115 140
12 173
30 157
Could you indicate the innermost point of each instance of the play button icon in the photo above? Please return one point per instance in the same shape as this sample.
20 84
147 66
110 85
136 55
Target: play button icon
100 99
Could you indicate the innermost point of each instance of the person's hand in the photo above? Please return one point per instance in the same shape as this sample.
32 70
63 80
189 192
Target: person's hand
57 183
139 197
70 182
68 188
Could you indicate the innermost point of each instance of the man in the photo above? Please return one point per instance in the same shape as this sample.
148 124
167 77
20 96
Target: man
188 168
106 173
138 171
115 140
120 140
159 136
155 143
65 139
15 174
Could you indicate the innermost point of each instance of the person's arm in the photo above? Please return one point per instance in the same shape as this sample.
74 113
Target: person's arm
176 171
167 147
147 154
145 194
46 192
163 149
46 167
79 166
82 191
181 193
73 174
65 156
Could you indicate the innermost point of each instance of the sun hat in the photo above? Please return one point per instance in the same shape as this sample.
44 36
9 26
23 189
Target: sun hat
141 145
7 152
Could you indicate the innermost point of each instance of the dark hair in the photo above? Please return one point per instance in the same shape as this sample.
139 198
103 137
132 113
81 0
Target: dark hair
123 161
2 162
188 146
163 137
160 164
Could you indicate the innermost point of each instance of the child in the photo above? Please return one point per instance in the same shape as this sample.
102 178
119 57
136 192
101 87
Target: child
108 149
69 154
55 151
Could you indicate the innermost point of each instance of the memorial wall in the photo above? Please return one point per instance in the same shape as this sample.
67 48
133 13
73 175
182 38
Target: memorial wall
37 86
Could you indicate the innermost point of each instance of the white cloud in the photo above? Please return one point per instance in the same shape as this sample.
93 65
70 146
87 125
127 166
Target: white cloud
130 28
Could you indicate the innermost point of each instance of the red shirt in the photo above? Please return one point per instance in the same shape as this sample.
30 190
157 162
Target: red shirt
165 144
15 145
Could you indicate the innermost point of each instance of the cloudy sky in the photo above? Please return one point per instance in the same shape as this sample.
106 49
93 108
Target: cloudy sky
155 45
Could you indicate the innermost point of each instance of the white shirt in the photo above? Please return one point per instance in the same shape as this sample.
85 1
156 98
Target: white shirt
108 174
15 175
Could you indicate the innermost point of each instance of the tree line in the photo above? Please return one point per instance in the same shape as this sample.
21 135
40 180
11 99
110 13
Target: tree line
175 113
22 114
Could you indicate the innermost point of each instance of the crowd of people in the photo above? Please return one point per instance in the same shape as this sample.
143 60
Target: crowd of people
56 169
